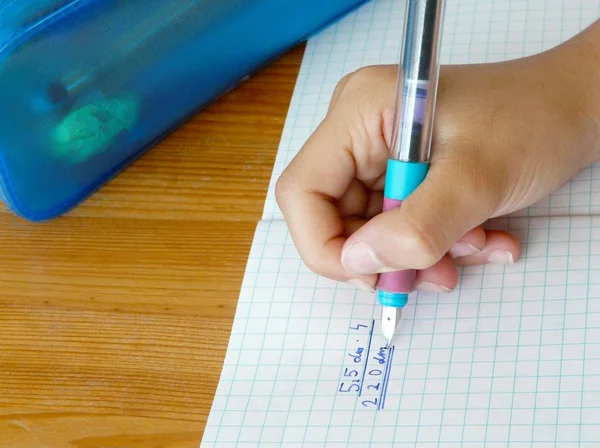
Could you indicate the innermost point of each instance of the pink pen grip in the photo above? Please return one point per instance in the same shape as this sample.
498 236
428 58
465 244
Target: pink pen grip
399 281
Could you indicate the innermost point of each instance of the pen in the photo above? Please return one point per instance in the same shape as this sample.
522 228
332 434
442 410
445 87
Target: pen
411 137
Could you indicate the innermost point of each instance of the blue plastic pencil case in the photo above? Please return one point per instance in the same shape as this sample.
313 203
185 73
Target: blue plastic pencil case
87 86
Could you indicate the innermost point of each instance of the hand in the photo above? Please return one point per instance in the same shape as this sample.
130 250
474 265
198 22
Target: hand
505 136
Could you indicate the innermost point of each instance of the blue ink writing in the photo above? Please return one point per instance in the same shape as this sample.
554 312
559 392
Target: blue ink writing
349 388
367 357
350 372
367 403
386 378
369 368
358 355
380 356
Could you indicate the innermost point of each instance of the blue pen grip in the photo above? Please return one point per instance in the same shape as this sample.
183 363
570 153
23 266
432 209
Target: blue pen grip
402 178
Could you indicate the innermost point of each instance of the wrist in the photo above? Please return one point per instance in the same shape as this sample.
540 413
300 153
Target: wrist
578 60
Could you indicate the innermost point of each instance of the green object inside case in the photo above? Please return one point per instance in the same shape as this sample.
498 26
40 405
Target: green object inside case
87 86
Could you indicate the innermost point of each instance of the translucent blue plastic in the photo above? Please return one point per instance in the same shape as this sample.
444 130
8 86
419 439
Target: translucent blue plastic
87 86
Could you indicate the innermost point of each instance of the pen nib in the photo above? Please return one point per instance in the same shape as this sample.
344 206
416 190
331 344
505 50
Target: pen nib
390 316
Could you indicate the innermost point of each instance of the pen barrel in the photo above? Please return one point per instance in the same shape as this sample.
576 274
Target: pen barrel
417 81
402 178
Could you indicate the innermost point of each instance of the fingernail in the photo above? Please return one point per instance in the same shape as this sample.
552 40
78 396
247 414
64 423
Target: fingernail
360 259
361 284
462 250
432 287
501 257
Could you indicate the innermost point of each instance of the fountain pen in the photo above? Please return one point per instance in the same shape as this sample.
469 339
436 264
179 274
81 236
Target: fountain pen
410 146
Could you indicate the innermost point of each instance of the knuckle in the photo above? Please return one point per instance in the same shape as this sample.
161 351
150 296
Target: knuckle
283 188
314 265
317 261
363 79
367 74
342 82
341 88
358 80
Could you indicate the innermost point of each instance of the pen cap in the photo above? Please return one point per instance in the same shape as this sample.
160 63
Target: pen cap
87 86
417 81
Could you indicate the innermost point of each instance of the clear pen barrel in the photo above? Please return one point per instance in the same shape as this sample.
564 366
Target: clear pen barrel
415 101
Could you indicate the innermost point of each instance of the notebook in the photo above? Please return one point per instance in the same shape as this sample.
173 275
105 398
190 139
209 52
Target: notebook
512 356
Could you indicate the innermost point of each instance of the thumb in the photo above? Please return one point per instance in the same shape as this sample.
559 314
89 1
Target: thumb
455 197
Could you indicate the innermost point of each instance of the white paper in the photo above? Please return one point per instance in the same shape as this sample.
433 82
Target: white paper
511 358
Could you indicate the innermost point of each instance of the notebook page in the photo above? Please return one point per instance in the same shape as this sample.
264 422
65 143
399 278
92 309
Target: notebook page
474 31
513 355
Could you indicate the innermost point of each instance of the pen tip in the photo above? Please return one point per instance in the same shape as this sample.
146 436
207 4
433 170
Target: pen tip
390 317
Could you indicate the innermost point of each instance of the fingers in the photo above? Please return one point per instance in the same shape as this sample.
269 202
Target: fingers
306 194
354 200
455 197
360 201
471 243
328 180
331 197
440 278
477 247
500 248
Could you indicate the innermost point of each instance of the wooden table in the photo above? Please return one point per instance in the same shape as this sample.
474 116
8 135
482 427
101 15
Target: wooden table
114 320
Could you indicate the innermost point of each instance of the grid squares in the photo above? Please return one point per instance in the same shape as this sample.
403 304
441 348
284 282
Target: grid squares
511 357
466 370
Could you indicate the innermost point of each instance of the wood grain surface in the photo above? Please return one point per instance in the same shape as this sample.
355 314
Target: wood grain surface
114 319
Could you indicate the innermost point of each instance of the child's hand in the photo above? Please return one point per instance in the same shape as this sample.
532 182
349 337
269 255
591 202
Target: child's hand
505 136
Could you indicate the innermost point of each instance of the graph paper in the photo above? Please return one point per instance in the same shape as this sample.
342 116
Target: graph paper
510 358
513 355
